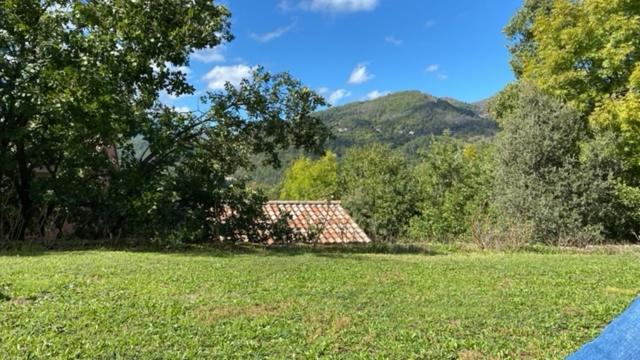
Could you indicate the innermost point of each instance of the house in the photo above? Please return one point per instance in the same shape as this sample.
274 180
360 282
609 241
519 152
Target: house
328 218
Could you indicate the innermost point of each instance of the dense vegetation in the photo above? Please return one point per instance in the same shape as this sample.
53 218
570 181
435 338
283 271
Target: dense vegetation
279 304
79 80
79 92
563 169
405 120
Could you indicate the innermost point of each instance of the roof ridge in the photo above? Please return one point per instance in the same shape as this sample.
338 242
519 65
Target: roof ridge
310 202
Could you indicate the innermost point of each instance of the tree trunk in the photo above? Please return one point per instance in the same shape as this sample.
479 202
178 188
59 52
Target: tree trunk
23 188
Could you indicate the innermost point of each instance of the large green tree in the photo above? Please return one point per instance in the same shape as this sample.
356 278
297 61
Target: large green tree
308 179
80 79
454 182
587 54
540 178
377 188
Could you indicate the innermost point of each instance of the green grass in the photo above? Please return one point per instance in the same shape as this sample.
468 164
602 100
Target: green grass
212 304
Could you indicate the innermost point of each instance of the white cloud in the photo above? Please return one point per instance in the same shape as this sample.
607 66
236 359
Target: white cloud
432 68
271 35
182 109
323 90
166 97
393 40
335 6
435 70
285 5
209 55
183 69
360 75
430 23
220 75
376 94
170 67
338 95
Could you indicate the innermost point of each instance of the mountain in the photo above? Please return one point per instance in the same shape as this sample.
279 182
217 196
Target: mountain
406 120
402 119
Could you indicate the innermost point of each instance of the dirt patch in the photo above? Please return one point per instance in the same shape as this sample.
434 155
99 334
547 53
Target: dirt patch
326 325
23 301
470 355
573 311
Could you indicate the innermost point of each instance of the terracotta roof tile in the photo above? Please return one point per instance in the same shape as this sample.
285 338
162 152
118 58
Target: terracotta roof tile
337 226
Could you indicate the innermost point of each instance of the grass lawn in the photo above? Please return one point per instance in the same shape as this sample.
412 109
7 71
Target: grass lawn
213 304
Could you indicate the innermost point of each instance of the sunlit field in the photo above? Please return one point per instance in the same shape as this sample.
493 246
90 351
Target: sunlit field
308 303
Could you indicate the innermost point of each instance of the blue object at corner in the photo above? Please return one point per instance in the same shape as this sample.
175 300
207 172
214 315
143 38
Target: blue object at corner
620 340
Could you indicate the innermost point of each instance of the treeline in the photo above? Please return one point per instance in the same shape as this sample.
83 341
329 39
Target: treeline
539 181
79 81
564 168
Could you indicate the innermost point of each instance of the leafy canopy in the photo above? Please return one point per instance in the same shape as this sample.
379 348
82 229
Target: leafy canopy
79 80
308 179
378 190
588 54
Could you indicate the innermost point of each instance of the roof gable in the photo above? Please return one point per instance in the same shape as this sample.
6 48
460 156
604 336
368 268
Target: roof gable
329 218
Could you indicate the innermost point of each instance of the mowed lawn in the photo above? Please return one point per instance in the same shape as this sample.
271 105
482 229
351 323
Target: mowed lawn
266 304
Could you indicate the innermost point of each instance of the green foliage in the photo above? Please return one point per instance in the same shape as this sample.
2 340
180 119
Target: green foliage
587 53
405 121
204 304
81 79
454 183
308 179
539 176
581 51
378 190
182 189
80 76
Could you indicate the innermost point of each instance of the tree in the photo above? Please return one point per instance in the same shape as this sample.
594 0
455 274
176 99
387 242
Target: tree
587 53
539 176
308 179
184 189
81 79
453 185
583 52
78 77
378 190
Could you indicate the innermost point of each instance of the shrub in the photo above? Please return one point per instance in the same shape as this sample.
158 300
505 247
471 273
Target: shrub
378 189
540 178
453 185
308 179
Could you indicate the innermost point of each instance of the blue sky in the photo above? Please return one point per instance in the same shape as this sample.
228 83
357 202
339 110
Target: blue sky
350 50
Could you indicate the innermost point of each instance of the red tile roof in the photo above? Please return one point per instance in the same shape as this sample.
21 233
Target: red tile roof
329 216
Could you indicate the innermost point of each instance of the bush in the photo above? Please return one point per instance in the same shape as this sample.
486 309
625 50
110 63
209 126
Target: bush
378 189
453 185
308 179
540 178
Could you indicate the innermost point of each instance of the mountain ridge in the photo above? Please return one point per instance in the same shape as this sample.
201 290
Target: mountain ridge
404 117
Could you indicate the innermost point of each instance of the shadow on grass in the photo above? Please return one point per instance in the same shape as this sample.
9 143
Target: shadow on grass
224 250
343 250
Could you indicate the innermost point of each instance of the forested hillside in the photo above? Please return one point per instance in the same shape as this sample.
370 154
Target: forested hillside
405 120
